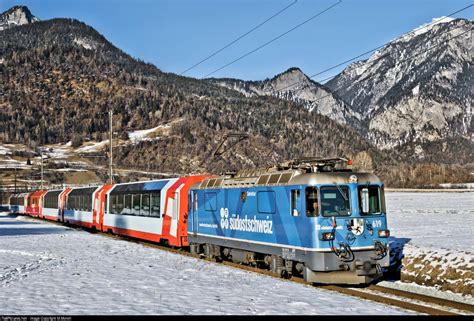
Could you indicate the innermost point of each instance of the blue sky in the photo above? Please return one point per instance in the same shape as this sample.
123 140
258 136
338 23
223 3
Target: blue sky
175 34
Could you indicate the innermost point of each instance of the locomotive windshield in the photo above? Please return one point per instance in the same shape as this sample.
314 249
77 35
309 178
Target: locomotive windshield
370 200
335 201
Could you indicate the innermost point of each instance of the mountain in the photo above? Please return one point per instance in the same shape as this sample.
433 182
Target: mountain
413 95
415 90
59 77
294 85
16 16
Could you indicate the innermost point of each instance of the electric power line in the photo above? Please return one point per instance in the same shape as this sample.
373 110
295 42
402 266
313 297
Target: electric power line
371 50
399 61
237 39
274 39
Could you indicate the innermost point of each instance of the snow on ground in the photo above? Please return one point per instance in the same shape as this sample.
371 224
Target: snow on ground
460 185
58 151
5 150
434 220
10 163
52 269
92 147
141 135
432 236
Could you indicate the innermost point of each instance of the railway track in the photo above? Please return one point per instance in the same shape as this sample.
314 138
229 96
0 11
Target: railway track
402 299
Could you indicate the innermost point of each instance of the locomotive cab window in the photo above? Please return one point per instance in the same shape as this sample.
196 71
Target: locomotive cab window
370 200
312 204
335 201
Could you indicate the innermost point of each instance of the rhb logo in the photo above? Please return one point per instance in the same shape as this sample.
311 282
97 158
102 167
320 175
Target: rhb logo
224 218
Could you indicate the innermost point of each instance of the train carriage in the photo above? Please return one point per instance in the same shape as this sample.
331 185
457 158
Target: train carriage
308 219
152 210
54 202
18 202
79 206
35 203
313 217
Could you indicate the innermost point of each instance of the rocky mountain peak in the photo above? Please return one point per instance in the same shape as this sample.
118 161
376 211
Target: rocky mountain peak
285 80
416 89
16 16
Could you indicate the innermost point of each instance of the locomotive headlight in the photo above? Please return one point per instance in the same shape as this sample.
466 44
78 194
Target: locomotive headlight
353 179
327 236
384 233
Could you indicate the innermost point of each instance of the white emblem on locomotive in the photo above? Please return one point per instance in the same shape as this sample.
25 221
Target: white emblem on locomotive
357 226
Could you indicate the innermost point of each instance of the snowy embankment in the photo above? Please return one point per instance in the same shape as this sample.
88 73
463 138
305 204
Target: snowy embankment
432 239
52 269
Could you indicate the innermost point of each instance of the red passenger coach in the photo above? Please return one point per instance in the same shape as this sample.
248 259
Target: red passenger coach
79 206
153 210
34 203
53 204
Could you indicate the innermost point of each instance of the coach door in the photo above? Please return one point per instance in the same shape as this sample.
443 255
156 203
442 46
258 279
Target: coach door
194 211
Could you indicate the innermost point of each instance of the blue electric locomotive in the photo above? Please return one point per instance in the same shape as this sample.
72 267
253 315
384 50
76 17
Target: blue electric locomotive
312 217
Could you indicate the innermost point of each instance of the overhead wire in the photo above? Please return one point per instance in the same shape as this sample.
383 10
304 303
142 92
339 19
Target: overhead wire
371 50
406 59
240 37
274 39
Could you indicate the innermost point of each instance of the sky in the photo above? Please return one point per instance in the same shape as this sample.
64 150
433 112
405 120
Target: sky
176 34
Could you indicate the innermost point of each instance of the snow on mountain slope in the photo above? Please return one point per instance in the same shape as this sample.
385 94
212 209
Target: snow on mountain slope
16 16
415 89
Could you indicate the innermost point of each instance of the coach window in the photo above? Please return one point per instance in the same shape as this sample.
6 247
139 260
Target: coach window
295 201
136 204
145 206
89 202
78 202
113 204
81 202
120 204
127 208
155 205
312 207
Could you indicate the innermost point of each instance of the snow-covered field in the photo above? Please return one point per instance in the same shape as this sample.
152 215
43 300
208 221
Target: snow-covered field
51 269
46 268
433 235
